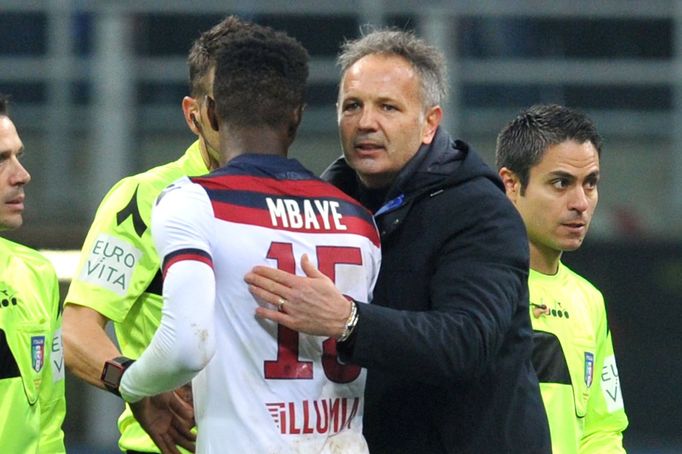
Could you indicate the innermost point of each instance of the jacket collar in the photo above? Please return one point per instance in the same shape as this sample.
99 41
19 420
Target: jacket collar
434 165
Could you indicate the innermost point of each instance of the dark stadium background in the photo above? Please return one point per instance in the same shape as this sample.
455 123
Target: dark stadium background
620 61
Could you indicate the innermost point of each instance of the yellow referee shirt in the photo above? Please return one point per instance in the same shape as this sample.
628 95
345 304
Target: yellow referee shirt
574 359
32 403
118 274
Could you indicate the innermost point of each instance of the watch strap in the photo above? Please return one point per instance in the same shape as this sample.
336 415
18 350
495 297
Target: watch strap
113 372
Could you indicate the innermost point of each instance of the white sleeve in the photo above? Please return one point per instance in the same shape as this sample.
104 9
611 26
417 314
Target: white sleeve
185 340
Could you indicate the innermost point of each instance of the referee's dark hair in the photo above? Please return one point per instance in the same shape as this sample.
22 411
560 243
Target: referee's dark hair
260 77
522 143
202 55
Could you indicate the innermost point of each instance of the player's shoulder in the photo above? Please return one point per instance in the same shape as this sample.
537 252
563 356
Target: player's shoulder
325 189
179 188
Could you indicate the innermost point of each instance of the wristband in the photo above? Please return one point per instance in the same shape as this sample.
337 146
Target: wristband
350 323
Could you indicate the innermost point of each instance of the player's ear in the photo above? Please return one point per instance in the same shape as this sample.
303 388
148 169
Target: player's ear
298 114
512 184
297 117
190 110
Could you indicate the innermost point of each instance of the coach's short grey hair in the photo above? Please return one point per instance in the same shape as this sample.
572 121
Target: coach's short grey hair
426 59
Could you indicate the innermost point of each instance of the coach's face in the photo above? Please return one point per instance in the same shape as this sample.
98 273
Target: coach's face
382 118
13 176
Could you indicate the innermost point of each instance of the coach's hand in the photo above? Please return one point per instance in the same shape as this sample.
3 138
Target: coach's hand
310 304
168 419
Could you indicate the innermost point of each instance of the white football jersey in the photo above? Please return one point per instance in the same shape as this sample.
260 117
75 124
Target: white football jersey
269 389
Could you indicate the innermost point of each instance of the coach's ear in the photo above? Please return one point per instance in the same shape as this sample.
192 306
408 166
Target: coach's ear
512 184
433 119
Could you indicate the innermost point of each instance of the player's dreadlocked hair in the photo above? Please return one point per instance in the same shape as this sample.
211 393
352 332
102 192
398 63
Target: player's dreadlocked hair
260 77
524 141
202 55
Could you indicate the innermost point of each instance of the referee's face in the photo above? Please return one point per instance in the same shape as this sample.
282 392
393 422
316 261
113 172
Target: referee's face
13 176
560 199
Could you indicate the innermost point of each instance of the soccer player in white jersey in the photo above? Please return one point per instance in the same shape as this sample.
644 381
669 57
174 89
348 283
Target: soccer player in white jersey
118 280
548 159
258 387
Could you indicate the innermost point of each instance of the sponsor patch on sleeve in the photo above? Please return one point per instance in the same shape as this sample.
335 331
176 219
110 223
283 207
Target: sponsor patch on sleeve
57 357
111 263
610 384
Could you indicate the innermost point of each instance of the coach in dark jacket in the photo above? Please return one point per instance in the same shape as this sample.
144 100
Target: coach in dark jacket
447 338
457 373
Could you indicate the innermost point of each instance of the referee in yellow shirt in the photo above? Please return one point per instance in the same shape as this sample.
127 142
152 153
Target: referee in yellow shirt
32 404
548 159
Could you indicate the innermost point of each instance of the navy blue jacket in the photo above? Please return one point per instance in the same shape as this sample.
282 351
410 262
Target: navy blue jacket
447 340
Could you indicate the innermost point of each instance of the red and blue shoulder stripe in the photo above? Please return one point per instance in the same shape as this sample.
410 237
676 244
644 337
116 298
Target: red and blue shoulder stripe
198 255
305 204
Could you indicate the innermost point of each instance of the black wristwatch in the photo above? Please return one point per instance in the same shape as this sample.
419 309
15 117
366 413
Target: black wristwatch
113 372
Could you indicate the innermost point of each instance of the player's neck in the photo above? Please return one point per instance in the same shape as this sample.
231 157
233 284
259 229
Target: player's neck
256 140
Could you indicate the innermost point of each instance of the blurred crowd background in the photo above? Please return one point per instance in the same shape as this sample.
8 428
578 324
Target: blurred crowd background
96 87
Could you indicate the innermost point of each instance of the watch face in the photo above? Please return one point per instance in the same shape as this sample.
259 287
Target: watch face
112 374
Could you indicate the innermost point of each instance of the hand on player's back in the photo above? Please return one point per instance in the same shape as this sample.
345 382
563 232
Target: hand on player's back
168 418
309 304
